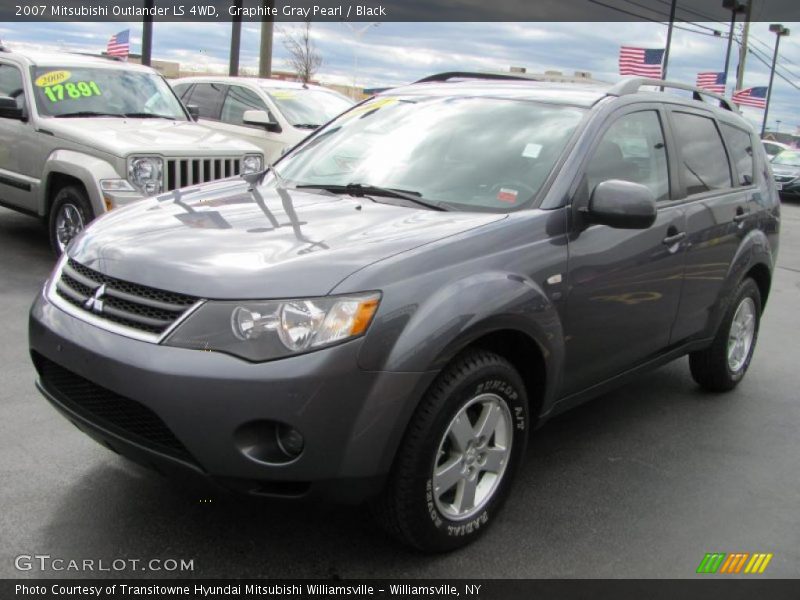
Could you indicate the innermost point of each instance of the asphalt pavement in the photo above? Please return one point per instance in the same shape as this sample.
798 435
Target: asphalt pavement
641 482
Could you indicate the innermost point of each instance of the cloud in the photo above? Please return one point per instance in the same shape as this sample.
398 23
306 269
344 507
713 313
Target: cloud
397 53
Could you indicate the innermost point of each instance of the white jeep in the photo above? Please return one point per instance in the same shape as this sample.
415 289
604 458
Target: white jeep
82 135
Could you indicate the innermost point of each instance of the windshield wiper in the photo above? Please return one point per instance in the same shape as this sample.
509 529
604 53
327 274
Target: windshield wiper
306 125
86 113
143 115
361 190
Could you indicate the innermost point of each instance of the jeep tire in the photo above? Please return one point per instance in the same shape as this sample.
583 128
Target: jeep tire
70 213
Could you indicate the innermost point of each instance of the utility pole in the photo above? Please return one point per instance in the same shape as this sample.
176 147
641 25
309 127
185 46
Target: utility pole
735 7
672 10
236 39
743 48
265 49
357 35
779 31
147 33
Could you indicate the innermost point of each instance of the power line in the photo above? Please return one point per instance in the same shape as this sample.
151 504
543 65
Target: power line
643 18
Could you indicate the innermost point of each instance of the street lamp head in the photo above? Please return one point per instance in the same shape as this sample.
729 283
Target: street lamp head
734 5
778 29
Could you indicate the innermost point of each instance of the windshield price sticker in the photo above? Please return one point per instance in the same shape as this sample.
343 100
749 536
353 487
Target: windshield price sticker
284 95
71 90
52 78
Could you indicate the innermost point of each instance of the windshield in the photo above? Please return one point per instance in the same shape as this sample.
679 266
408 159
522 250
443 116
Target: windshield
82 91
787 157
469 153
308 107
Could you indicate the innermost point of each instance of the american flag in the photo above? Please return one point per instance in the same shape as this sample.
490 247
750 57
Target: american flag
641 61
754 96
119 44
713 82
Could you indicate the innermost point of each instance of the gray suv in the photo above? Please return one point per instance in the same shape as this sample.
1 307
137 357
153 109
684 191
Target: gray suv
389 313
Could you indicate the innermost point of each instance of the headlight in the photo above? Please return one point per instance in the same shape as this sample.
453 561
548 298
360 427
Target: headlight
260 331
145 173
251 163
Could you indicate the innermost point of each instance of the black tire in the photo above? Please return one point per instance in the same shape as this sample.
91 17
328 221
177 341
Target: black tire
710 367
73 196
407 508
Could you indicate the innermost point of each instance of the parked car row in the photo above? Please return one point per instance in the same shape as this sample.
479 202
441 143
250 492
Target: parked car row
80 135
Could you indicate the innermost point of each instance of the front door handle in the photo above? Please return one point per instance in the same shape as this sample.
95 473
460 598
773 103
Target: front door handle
741 214
674 238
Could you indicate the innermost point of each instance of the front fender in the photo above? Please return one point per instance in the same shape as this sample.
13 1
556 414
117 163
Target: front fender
88 169
425 336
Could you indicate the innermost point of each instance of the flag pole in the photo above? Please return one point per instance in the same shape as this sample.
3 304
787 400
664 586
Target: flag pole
672 9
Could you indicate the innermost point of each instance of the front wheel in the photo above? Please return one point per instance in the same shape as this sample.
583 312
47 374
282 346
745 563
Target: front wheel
69 215
722 366
455 466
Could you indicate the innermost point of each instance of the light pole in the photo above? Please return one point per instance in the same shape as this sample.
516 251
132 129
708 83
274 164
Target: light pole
778 126
735 7
357 35
672 9
779 31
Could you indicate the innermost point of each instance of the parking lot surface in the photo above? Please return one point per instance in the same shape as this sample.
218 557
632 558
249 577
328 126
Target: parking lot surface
641 482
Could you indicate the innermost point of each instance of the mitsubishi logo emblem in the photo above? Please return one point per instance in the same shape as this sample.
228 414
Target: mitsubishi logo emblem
95 302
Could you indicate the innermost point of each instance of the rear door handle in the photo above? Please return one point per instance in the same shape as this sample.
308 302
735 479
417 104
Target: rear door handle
673 239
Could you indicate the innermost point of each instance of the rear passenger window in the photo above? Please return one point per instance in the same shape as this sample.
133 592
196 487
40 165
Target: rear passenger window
208 98
740 145
704 161
633 150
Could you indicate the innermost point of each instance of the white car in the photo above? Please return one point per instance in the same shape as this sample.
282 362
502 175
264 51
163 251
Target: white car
270 113
774 148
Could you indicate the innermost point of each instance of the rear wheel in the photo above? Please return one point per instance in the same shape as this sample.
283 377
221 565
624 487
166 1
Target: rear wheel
459 456
70 212
722 366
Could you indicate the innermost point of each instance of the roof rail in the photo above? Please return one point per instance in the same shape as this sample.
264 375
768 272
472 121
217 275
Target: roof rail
631 85
448 75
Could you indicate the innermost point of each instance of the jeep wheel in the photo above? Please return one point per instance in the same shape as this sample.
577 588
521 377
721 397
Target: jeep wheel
722 366
69 214
459 455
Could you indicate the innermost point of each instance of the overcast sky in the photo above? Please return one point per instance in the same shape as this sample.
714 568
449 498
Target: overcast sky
396 53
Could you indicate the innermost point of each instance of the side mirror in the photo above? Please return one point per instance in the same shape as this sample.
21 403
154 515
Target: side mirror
262 118
10 110
193 110
622 204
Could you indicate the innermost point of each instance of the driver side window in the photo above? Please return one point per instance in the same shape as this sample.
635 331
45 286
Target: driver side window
11 84
632 149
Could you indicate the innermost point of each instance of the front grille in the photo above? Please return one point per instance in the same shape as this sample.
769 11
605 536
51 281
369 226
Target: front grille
136 306
125 417
183 172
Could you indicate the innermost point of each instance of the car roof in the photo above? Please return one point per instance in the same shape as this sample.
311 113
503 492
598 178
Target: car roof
576 94
69 59
257 81
567 93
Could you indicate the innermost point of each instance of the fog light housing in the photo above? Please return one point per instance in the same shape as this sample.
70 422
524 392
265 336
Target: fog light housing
290 441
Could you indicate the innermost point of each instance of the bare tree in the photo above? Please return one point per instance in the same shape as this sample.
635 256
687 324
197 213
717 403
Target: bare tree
303 55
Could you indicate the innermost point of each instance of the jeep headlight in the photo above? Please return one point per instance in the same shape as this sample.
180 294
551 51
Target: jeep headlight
261 331
251 163
145 173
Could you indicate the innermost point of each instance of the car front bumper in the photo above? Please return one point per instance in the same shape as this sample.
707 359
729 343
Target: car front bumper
197 404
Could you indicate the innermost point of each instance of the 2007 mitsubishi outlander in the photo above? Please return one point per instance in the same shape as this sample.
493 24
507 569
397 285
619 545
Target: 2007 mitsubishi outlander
388 313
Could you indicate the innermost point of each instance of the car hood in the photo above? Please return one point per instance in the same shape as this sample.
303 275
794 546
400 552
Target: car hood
227 240
121 137
785 170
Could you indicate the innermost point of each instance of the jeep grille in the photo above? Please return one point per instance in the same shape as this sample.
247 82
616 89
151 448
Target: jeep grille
183 172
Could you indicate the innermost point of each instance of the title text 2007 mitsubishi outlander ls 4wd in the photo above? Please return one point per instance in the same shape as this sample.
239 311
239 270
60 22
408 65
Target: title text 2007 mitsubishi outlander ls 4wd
388 313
